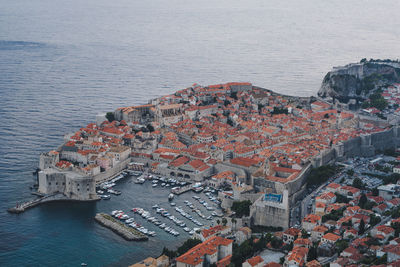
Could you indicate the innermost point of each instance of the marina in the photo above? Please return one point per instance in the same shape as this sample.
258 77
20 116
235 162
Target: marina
162 214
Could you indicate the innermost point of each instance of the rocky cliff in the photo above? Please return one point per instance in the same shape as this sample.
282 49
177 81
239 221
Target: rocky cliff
357 80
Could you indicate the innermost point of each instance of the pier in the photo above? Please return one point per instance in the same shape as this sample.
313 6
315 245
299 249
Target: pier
182 189
19 208
119 228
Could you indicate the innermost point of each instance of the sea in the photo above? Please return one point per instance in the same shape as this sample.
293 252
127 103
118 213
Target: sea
63 62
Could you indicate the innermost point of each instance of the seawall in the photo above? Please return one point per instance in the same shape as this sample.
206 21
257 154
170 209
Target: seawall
44 199
119 228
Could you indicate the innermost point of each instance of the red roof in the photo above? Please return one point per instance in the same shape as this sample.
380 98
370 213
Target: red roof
255 260
179 161
246 162
195 255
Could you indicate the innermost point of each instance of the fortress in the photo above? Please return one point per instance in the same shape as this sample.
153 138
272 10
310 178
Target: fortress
267 142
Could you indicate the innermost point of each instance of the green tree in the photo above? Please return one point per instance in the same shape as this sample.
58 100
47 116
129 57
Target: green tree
188 244
150 128
110 116
374 220
224 221
363 201
350 172
361 227
304 234
357 183
320 175
313 252
241 208
375 191
169 253
341 245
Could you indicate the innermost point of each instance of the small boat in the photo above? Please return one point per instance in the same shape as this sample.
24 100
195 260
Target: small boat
105 197
173 204
198 189
139 181
154 185
170 197
130 220
83 264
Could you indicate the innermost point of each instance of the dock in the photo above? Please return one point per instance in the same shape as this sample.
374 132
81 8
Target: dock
128 233
182 189
19 208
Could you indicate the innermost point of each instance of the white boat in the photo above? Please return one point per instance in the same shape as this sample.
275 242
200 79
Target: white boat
170 197
114 212
130 220
140 181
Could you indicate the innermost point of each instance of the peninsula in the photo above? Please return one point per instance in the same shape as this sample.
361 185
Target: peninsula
258 144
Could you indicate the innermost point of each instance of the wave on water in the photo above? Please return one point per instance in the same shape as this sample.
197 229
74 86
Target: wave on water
19 45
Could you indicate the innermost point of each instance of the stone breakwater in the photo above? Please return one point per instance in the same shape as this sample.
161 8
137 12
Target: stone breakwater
21 207
121 229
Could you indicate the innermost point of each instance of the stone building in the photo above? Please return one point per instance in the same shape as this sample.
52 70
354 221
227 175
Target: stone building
48 159
271 210
135 113
71 184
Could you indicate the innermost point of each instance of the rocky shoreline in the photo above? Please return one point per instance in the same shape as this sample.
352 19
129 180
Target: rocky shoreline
121 229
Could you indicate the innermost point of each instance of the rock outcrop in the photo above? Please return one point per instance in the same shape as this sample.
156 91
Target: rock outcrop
357 80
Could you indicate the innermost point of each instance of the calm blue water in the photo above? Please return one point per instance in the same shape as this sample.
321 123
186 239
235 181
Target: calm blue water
62 62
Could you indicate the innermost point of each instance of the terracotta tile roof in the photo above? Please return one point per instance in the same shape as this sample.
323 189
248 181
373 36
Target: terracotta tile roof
292 231
272 264
312 218
331 237
179 161
209 247
213 230
313 263
255 260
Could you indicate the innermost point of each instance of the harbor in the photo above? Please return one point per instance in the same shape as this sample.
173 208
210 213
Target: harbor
146 203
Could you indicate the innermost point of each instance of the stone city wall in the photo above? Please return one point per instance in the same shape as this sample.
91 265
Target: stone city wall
104 176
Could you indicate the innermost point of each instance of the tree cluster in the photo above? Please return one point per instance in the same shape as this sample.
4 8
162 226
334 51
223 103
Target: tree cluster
188 244
320 175
241 208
